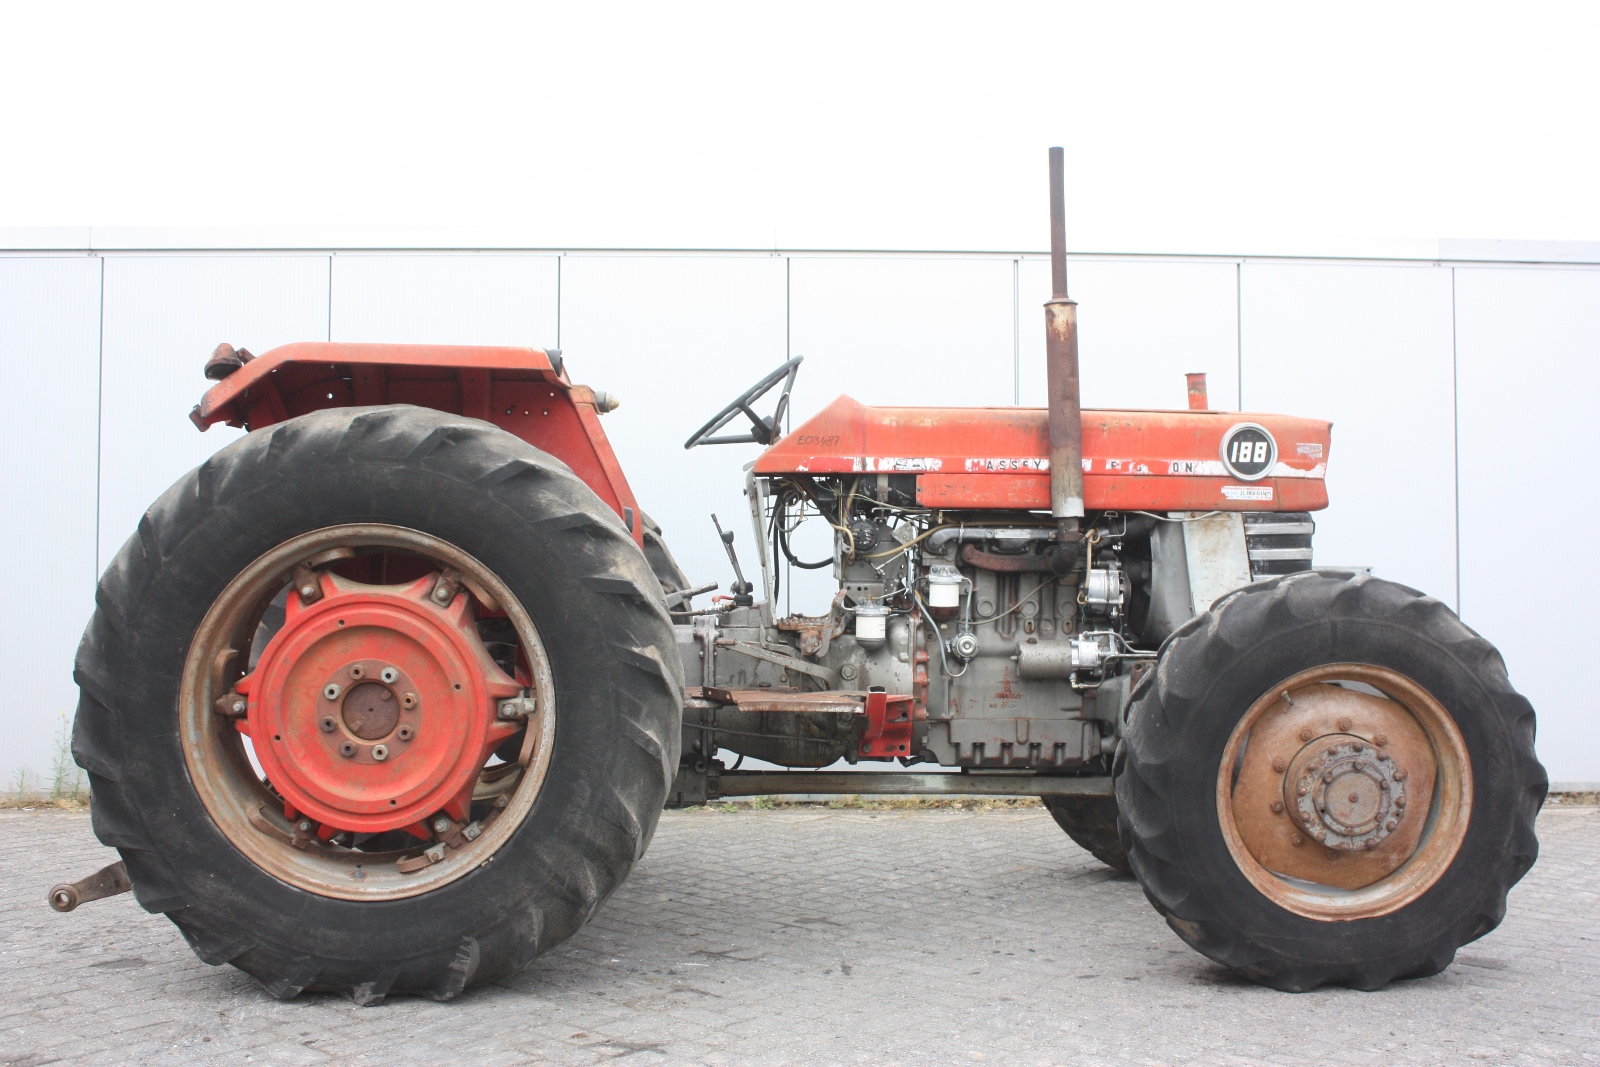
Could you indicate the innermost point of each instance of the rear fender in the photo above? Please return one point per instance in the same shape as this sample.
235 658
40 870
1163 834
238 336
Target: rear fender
521 390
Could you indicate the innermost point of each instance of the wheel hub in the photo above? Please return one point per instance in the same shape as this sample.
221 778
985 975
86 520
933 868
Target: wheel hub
1320 792
1345 792
374 707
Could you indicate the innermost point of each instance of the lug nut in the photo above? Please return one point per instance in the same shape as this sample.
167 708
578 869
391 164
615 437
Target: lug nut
380 752
1277 807
304 826
357 670
1399 774
408 701
501 801
238 707
347 750
331 690
1305 734
1344 725
441 825
1381 740
307 592
404 733
327 724
1297 840
389 675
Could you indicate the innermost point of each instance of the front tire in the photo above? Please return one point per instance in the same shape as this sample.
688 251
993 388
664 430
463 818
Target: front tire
597 655
1329 779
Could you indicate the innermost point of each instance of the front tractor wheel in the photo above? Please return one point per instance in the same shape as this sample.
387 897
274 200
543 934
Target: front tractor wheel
378 701
1329 779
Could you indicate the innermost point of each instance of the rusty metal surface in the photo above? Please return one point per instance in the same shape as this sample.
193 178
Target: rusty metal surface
1298 757
844 701
766 783
106 882
1061 370
1198 401
817 631
1023 563
1285 742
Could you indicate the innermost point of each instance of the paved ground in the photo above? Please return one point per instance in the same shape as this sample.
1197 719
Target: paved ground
814 937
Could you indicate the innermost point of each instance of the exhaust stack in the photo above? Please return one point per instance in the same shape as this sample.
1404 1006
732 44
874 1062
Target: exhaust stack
1061 369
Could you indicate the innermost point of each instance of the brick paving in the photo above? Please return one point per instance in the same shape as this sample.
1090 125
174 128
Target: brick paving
814 936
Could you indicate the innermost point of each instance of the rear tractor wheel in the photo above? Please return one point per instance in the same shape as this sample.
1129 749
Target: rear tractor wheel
1329 779
343 752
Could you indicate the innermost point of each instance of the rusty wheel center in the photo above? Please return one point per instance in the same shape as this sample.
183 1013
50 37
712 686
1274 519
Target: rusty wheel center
370 711
1345 791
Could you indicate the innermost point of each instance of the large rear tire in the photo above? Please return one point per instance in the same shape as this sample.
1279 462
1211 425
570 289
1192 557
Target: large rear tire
166 784
1328 779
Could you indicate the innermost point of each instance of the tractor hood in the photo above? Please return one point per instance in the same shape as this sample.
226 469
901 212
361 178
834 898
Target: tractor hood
986 458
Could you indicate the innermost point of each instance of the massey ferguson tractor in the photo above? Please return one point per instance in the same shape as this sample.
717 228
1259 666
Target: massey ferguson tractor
387 696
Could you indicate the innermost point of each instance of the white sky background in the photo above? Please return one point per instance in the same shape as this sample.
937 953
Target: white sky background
1192 127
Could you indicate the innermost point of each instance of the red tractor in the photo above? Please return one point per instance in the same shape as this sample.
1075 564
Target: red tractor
387 695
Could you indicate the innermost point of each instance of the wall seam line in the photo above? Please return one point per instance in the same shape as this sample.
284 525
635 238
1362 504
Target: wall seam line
99 416
1455 430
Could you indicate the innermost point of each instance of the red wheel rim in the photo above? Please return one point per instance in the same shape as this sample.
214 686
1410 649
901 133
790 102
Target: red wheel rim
375 707
275 774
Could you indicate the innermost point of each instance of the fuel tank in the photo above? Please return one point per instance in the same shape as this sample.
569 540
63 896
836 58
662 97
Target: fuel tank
998 458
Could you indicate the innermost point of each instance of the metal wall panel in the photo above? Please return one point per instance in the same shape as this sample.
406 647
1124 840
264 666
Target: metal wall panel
163 316
476 299
1528 352
902 331
1367 347
49 353
1141 327
677 338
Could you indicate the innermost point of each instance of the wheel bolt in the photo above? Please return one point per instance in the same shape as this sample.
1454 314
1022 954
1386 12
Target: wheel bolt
307 592
389 675
1381 740
239 706
327 724
331 690
1279 764
441 824
501 801
1305 734
1277 807
304 826
347 750
1344 725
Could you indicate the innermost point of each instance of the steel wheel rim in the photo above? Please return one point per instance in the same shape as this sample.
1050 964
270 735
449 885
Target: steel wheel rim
1385 840
230 789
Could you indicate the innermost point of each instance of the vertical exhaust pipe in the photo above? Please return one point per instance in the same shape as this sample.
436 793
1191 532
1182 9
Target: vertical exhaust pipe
1061 369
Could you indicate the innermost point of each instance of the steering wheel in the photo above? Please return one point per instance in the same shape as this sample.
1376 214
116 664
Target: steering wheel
762 431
